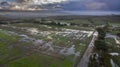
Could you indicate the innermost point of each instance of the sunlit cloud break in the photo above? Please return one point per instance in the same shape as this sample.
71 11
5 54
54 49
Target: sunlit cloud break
112 5
27 4
39 2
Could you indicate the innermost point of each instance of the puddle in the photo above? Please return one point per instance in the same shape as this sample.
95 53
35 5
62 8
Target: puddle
114 54
48 46
113 63
33 31
26 38
114 37
38 42
69 51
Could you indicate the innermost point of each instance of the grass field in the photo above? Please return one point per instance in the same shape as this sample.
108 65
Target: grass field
28 44
36 45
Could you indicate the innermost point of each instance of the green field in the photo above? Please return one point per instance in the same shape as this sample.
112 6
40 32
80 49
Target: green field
15 52
48 43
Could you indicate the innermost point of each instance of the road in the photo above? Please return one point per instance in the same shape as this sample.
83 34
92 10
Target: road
85 59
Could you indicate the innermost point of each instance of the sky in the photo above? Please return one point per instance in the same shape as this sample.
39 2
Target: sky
109 5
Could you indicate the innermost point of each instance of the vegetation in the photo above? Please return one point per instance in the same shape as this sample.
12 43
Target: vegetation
103 59
17 53
25 53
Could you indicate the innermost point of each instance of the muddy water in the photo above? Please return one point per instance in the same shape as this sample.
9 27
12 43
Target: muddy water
114 37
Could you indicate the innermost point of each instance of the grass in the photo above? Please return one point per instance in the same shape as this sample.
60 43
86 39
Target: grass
113 47
16 56
38 60
10 47
6 40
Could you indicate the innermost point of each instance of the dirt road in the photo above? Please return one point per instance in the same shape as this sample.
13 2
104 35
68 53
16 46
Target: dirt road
85 59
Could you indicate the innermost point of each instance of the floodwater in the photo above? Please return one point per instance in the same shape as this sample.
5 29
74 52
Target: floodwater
114 37
113 64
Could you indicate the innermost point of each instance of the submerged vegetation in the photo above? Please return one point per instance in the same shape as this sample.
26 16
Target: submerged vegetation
37 43
56 41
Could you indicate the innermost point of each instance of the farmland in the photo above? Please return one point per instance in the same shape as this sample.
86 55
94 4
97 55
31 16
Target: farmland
44 45
49 42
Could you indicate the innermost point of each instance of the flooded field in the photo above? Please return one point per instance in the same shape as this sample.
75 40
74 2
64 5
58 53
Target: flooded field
58 42
56 46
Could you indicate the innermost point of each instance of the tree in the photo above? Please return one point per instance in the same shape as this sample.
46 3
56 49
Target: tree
101 45
101 33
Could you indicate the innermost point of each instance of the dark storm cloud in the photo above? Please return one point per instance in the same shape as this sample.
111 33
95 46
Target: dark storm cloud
113 5
93 5
14 0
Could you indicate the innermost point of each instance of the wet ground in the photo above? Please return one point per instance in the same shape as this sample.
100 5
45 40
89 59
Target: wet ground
51 41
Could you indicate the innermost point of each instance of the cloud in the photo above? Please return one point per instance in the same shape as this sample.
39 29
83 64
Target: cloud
112 5
96 5
85 4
